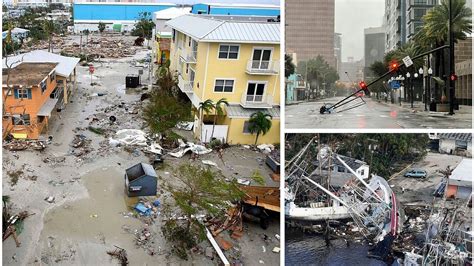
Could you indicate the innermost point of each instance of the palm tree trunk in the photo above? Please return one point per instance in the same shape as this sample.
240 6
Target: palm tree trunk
256 139
202 125
213 126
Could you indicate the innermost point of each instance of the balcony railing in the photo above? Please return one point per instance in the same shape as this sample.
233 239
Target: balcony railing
263 67
256 101
189 56
300 84
185 86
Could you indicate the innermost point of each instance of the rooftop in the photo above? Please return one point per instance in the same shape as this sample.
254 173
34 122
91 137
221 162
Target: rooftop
456 136
462 172
242 5
29 74
65 64
171 12
220 30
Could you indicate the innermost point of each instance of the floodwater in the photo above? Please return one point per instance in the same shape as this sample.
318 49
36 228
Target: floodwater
82 231
311 249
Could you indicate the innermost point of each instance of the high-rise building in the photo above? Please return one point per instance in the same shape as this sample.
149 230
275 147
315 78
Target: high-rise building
338 51
415 10
395 24
374 48
309 29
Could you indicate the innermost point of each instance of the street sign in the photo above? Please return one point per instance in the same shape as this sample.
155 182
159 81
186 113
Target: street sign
407 60
91 69
395 84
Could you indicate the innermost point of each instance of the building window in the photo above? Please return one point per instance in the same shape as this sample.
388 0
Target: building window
362 172
52 76
173 33
341 169
223 85
187 68
22 93
247 127
228 51
189 42
20 120
43 86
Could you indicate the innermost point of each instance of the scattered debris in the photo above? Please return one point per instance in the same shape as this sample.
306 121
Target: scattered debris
120 254
185 125
50 199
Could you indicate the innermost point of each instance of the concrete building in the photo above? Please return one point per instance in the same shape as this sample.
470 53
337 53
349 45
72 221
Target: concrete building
40 3
463 69
415 10
239 61
119 16
395 24
309 29
460 181
354 69
374 48
338 51
161 17
17 34
30 104
234 9
456 143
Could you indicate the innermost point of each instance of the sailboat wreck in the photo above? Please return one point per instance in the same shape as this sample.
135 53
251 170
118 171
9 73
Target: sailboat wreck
316 192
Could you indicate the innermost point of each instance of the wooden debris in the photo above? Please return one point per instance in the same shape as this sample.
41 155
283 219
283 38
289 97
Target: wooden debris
120 254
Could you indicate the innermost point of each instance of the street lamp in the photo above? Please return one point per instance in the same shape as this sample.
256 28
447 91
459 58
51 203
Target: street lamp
410 87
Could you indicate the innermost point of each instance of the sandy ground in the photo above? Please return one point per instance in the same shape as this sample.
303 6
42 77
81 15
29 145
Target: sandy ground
87 217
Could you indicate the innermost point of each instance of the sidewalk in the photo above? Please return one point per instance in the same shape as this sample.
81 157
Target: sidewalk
464 112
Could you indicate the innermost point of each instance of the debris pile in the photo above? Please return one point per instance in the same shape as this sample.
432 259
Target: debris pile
100 48
18 145
120 254
81 145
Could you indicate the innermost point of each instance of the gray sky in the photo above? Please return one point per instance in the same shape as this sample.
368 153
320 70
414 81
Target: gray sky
352 17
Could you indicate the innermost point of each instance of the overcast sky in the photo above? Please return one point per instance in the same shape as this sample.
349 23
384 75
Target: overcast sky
352 17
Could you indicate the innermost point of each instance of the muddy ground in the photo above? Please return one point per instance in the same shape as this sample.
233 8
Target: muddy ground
90 213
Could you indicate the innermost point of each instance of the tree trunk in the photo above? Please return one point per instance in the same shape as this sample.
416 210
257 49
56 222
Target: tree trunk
213 126
256 139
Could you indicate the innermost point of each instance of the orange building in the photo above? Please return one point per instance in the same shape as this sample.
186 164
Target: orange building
29 98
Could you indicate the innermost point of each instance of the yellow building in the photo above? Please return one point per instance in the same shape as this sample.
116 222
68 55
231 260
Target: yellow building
236 60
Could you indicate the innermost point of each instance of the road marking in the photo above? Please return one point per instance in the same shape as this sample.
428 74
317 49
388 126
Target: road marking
360 115
383 115
289 115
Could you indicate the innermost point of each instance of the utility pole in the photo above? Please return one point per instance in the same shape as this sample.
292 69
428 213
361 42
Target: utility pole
451 69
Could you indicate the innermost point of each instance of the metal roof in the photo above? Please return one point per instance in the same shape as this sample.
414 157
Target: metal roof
237 111
462 172
65 64
456 136
171 12
47 107
206 29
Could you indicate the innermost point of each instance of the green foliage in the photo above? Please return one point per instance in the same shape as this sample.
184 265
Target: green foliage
289 65
101 26
96 130
260 123
215 143
218 107
145 25
201 191
164 111
258 178
318 71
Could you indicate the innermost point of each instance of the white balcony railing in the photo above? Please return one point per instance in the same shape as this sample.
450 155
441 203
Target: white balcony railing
185 86
189 56
256 101
263 67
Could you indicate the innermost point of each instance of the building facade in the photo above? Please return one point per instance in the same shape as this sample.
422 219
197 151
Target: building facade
374 48
309 29
463 69
415 10
230 9
395 24
119 16
238 61
30 102
296 88
460 181
338 51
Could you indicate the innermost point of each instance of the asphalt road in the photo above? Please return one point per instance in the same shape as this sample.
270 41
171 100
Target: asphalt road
371 115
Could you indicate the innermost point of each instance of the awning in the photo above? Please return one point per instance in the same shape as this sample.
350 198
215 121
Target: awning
47 107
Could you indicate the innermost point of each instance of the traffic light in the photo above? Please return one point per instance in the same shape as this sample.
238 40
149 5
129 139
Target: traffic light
394 66
453 77
364 87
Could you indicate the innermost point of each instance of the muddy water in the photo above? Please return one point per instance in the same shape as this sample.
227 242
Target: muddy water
82 231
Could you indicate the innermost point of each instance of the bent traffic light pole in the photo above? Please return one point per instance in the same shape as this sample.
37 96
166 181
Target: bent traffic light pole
326 110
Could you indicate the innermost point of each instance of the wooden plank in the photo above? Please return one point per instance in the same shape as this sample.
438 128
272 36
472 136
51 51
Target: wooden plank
268 197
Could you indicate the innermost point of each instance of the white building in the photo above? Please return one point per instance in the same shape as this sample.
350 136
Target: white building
161 17
455 143
460 181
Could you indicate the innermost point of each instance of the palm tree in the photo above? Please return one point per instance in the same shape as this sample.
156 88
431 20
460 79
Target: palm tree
204 107
260 123
49 28
219 110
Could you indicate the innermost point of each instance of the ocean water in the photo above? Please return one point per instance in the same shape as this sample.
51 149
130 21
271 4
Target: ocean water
311 249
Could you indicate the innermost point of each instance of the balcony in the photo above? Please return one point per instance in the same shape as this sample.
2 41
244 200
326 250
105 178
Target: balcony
300 85
185 85
256 101
256 67
189 56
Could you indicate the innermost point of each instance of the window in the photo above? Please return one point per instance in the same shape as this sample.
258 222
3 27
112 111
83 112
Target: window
247 125
224 85
362 172
43 86
21 119
255 92
228 51
52 76
187 68
173 33
341 169
189 42
22 93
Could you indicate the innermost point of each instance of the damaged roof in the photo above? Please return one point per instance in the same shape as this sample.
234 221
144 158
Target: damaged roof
456 136
65 64
28 74
219 30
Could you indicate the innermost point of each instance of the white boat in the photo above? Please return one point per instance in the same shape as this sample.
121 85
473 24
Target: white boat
316 212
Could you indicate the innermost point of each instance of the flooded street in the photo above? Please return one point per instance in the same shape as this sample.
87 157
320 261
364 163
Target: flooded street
82 231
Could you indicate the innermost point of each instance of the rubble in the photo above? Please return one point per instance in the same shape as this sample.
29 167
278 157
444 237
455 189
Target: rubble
120 254
19 145
99 48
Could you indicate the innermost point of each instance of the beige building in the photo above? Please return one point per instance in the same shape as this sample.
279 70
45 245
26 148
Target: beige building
463 69
309 29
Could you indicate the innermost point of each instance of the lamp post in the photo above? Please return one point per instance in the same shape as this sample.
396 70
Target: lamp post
430 72
410 87
425 98
451 59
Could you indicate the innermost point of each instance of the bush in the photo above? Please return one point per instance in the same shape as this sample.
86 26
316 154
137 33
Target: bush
183 238
215 143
